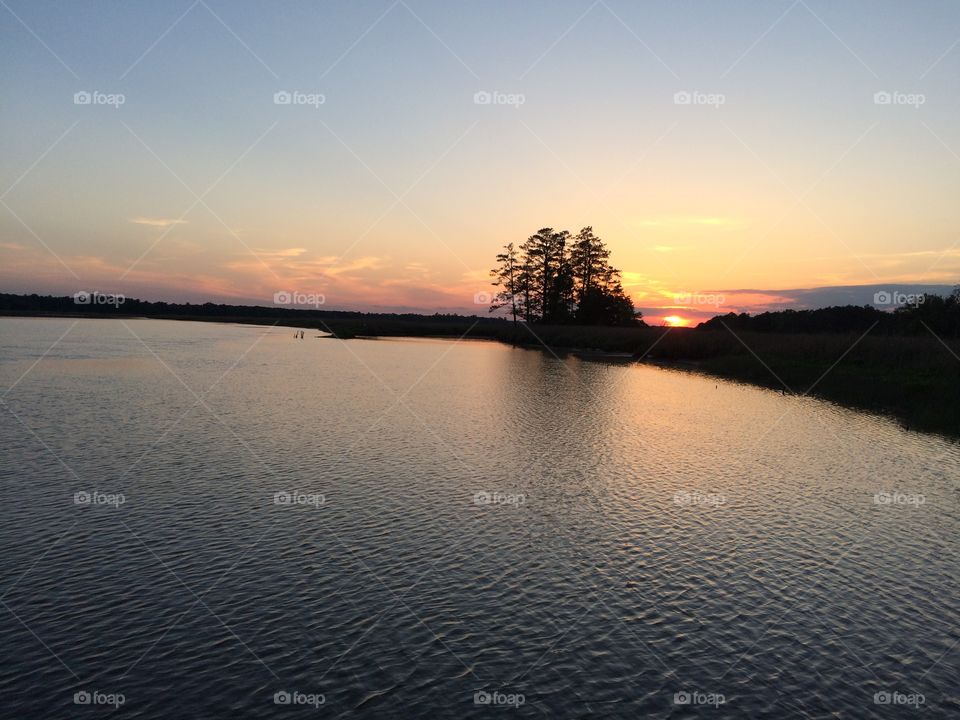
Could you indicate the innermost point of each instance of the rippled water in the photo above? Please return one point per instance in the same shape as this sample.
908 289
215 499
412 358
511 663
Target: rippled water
586 539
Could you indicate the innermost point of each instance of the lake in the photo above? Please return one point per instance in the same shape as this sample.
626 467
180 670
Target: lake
206 520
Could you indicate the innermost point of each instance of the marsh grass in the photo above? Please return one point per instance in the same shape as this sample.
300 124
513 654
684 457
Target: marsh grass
915 379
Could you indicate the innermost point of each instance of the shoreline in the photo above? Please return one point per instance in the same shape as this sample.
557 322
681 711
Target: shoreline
912 380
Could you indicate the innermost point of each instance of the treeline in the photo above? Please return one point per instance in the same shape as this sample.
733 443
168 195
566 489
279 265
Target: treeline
557 278
67 305
928 313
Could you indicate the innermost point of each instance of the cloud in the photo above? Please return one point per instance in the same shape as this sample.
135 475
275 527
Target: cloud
417 268
810 298
283 253
699 306
156 222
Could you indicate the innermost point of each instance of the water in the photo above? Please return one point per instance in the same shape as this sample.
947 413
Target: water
464 518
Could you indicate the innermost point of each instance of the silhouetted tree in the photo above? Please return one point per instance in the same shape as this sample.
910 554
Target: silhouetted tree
562 279
506 276
588 262
928 313
546 252
527 285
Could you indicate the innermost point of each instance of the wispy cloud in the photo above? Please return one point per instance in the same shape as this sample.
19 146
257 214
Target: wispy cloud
156 222
293 252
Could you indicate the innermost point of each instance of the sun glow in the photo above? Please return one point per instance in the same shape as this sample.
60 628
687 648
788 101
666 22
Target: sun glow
675 321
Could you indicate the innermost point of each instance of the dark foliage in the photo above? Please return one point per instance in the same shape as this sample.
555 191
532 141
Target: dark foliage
558 278
930 313
66 305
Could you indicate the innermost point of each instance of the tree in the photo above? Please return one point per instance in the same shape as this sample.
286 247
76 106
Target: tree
588 262
526 284
550 278
506 276
537 252
556 278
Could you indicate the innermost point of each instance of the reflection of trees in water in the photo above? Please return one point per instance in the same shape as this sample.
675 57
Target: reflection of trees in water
559 417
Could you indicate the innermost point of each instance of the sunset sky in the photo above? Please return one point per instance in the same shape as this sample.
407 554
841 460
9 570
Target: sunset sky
737 151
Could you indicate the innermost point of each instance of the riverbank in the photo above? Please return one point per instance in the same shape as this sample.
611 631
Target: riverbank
913 379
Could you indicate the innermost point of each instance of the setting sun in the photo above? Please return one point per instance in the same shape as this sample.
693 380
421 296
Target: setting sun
389 285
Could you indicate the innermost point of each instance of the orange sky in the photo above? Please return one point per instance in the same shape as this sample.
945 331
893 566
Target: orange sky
734 149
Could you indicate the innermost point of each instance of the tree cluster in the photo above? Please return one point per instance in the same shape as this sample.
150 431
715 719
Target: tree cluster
67 305
558 278
929 313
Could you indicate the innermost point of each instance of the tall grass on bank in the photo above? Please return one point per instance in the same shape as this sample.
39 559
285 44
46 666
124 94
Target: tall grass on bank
915 379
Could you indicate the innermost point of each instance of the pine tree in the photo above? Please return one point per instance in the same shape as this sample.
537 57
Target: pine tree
506 276
588 262
556 278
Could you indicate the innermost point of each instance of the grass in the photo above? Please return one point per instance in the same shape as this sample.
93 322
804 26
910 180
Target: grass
914 379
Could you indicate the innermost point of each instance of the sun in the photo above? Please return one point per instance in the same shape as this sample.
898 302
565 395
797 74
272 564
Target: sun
675 321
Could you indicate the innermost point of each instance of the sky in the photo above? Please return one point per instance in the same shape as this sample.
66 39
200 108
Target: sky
375 155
